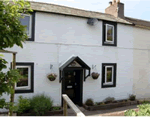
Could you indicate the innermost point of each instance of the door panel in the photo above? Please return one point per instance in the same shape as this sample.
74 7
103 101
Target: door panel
69 84
72 85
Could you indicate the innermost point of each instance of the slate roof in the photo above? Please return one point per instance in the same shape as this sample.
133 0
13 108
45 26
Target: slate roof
59 9
139 23
52 8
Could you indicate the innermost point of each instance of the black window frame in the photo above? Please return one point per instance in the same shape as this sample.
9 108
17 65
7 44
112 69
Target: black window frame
31 90
114 75
32 27
104 43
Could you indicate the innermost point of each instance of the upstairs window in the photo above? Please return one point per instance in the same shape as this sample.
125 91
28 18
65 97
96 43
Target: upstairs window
109 34
108 75
28 20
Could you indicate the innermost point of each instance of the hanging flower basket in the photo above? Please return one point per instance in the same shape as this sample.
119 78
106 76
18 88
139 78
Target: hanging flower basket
95 75
52 76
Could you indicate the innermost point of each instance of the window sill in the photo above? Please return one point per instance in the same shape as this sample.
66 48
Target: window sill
24 91
105 84
30 39
22 88
108 86
108 42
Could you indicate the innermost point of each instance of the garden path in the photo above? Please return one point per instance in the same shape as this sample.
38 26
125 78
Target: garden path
111 112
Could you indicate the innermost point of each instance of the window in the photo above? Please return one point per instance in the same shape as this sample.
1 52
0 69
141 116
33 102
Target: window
25 85
109 34
26 21
29 22
108 75
24 82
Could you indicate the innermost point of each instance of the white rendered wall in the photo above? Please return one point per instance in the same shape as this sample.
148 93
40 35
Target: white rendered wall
57 37
62 29
141 55
42 55
97 56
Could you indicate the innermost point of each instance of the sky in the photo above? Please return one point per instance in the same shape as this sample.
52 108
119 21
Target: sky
133 8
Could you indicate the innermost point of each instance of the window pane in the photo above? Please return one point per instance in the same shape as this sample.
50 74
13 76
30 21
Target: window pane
109 74
109 33
26 22
23 81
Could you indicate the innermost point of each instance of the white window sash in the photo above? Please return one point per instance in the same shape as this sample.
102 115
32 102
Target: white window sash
109 83
106 34
30 23
29 78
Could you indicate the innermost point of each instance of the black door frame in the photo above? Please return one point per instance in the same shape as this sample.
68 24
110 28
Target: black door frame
81 84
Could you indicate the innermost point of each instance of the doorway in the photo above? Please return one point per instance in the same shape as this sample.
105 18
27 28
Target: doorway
72 85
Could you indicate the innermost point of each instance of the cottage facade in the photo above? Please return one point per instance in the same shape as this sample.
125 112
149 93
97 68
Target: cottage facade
116 47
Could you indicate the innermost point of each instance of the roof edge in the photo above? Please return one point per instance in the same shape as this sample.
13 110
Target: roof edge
52 8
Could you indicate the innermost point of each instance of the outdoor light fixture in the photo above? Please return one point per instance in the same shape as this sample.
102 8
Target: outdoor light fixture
51 66
92 21
93 66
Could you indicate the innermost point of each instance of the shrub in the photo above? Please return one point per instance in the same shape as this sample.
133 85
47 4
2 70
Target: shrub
101 103
144 106
23 105
97 103
132 97
144 110
56 108
145 102
109 99
40 104
130 113
89 102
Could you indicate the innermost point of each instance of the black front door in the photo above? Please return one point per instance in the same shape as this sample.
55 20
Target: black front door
72 85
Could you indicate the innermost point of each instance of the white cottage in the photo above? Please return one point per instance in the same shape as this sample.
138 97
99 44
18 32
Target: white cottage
74 43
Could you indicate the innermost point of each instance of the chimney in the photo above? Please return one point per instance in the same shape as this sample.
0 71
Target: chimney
116 9
114 1
118 1
110 3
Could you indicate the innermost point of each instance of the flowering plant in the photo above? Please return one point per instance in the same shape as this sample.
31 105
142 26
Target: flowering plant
95 75
52 76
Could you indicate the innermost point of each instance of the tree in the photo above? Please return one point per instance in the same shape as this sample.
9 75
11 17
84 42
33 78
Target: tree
12 33
7 81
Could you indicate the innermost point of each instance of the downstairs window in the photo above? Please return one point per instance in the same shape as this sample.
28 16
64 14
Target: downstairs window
25 85
108 75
